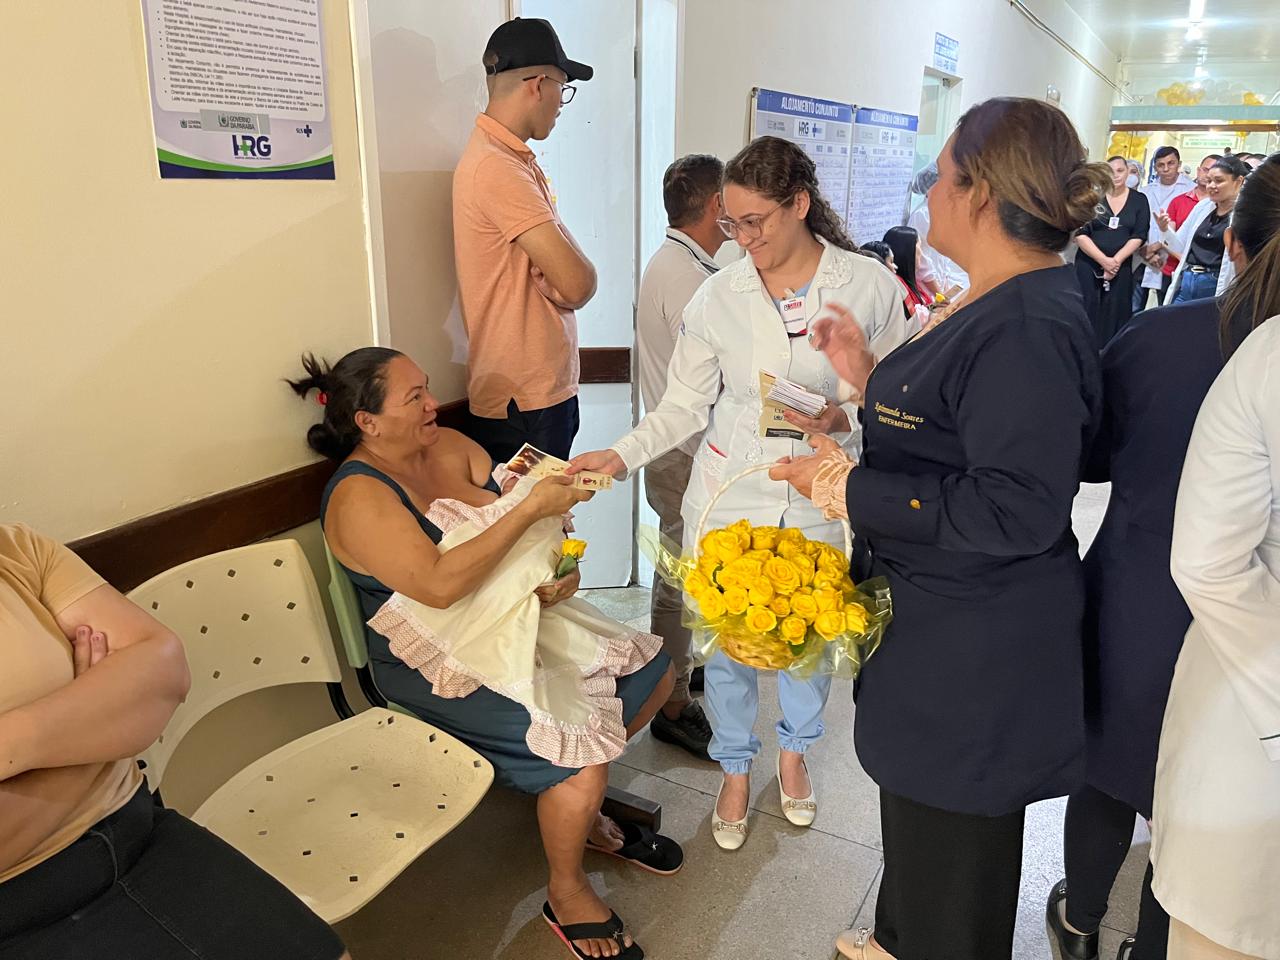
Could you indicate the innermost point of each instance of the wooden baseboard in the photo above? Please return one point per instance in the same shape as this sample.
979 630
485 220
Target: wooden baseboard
136 551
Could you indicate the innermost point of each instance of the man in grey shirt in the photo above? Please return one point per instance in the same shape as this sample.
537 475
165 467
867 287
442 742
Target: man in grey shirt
691 195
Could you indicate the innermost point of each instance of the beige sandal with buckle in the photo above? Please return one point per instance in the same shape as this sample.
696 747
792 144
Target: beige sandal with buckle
856 945
801 811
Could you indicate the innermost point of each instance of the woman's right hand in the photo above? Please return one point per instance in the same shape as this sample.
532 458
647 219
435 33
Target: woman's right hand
838 334
597 461
555 496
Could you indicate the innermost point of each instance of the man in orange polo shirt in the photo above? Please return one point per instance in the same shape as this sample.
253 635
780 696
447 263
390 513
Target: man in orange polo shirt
521 275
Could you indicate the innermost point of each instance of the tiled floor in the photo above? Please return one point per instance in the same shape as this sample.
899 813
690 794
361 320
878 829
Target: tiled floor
784 896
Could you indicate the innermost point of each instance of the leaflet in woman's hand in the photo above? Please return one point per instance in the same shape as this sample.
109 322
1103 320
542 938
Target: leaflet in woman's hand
529 461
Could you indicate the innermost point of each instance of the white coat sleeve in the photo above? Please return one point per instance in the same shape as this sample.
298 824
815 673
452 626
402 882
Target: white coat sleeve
1180 242
1224 507
693 384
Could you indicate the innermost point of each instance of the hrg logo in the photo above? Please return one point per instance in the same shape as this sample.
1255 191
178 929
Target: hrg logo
246 146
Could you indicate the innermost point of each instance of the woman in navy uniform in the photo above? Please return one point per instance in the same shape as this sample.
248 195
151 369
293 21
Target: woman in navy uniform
1155 375
975 434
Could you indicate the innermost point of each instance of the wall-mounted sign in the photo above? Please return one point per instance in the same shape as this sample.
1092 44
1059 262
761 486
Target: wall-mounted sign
238 89
946 53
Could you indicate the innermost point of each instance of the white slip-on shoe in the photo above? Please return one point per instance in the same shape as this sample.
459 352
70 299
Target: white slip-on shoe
801 811
728 834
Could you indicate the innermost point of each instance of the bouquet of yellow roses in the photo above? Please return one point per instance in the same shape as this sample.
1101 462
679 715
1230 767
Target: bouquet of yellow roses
772 599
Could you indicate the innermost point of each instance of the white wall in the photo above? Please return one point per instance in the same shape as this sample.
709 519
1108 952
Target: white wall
427 85
147 323
874 54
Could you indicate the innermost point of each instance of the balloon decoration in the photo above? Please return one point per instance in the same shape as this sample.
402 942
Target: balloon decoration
1124 144
1209 92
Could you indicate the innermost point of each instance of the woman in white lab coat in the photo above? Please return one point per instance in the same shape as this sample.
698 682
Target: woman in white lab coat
1199 242
750 317
1216 830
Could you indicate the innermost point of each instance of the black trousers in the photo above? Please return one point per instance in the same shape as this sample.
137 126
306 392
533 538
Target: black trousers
145 883
551 430
1098 831
950 884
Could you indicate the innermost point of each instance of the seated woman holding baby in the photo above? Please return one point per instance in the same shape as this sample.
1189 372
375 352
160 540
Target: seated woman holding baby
452 557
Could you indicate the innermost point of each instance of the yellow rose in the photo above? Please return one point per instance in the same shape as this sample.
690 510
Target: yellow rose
827 599
742 530
830 624
791 535
735 600
826 579
855 618
573 548
707 566
711 604
761 591
847 587
695 583
789 549
805 607
746 567
760 619
723 545
783 575
781 606
805 566
793 630
764 538
728 578
834 558
762 555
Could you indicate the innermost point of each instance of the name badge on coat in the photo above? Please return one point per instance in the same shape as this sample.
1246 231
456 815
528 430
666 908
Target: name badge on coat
793 317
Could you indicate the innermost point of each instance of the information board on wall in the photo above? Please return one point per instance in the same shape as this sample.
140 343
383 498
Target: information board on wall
238 89
883 162
822 128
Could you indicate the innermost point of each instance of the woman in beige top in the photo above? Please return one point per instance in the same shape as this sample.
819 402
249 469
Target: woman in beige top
91 865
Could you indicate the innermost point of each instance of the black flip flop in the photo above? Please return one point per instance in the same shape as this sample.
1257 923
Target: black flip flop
646 849
611 929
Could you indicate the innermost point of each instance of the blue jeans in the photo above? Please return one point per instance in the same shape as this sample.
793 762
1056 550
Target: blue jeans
1196 286
732 700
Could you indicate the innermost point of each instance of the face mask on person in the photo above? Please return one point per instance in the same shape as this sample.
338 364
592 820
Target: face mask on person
1132 181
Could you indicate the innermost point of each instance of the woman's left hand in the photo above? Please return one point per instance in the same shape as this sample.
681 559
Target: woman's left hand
800 471
832 419
552 593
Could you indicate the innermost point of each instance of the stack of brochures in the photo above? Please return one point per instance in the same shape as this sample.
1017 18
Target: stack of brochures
791 395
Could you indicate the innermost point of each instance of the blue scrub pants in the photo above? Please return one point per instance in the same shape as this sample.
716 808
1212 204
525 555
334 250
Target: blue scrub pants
732 700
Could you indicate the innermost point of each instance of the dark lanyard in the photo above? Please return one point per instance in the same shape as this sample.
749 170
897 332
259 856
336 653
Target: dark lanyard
694 253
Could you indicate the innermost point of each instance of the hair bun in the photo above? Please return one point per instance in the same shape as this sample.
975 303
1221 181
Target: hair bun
1084 191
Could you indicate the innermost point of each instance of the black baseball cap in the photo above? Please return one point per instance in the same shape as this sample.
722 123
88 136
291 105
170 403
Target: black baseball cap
530 42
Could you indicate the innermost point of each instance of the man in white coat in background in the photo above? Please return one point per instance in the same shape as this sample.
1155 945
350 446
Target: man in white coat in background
691 195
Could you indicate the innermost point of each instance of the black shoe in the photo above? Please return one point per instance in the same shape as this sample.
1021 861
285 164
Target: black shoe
1071 946
1126 949
690 730
695 680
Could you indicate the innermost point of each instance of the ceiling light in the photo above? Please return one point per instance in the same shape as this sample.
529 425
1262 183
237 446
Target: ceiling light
1194 33
1195 12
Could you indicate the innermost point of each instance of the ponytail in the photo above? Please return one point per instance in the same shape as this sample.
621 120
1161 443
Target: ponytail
357 382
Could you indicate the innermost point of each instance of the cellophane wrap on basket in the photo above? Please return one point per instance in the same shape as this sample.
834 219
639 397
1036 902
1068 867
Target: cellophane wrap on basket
772 599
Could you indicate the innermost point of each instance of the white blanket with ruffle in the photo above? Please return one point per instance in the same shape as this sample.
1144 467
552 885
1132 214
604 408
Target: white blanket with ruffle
560 663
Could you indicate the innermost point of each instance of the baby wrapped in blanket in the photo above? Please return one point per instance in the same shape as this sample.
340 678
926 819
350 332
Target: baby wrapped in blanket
559 662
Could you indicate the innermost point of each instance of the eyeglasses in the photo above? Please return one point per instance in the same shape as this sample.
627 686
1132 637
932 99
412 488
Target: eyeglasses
566 91
750 227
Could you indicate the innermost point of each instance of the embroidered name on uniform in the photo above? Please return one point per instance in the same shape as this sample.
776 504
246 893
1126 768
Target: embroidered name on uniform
897 417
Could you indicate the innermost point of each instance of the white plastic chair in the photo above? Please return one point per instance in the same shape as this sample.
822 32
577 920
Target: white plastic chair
337 814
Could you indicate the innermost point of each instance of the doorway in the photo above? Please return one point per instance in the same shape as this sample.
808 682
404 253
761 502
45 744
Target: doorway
939 111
